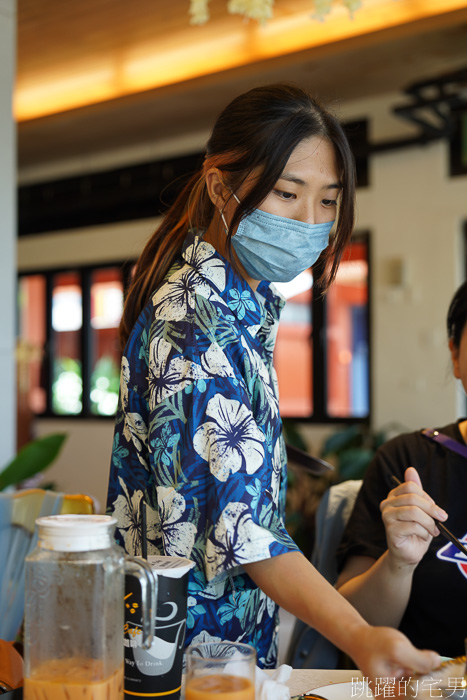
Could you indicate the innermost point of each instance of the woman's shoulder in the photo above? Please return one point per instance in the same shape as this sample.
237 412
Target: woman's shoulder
416 438
410 448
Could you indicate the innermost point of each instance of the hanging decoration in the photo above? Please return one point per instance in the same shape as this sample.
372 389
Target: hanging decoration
262 10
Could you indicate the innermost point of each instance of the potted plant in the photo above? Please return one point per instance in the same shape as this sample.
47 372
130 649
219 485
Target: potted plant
33 458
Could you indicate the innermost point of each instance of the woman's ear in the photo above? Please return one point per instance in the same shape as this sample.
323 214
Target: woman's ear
454 358
215 186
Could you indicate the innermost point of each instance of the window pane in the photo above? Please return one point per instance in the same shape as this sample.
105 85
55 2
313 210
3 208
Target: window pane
347 337
293 354
31 342
67 322
106 312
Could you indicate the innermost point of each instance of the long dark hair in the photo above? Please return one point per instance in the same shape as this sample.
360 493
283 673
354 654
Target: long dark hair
257 130
457 315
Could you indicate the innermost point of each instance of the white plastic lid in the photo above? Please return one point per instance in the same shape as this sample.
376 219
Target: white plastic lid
173 567
75 533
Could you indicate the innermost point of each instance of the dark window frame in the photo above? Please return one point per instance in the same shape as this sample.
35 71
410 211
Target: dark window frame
319 352
84 273
457 142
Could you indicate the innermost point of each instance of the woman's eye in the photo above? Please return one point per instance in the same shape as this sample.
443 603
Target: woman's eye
284 195
329 202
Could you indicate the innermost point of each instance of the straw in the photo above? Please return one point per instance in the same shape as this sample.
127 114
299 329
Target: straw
144 539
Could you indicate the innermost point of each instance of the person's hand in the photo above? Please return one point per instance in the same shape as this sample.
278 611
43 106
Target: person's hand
408 514
384 652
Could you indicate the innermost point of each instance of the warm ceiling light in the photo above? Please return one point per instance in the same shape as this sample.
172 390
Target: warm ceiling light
221 45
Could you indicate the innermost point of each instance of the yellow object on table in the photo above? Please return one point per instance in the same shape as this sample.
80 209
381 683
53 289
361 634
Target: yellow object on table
11 666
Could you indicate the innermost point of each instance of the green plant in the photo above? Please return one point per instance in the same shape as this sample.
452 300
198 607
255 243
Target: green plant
33 458
352 449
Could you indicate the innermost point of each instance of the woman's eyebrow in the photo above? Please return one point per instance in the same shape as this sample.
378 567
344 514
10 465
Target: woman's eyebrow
298 181
292 178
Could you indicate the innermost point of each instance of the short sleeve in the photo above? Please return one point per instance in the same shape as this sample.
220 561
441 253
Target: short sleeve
214 477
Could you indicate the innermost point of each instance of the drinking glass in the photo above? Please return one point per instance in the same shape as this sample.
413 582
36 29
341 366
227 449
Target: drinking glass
222 670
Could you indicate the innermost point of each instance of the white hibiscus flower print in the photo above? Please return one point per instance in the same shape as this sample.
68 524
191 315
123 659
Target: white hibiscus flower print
215 363
127 510
276 471
237 540
266 604
176 298
200 256
136 431
253 330
203 637
179 535
230 440
124 381
168 377
260 369
214 589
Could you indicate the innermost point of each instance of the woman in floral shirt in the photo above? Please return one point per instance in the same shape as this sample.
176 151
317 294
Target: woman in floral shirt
198 434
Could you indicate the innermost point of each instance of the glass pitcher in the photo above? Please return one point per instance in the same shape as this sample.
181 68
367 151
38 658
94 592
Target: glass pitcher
73 622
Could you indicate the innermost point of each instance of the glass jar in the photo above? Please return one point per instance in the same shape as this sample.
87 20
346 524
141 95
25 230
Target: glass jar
74 591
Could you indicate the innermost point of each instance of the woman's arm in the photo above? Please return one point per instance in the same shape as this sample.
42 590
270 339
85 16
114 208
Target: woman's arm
366 582
292 582
407 514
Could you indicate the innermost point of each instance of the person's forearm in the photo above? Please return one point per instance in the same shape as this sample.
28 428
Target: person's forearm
294 584
381 593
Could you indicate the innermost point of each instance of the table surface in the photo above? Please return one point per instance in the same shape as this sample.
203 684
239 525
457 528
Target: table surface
302 680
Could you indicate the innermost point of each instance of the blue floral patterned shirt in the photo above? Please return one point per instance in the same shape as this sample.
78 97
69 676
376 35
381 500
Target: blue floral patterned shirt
198 436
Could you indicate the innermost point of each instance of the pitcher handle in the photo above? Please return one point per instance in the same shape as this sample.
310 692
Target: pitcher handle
148 581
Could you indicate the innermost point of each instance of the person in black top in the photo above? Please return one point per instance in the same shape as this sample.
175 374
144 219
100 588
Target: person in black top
395 568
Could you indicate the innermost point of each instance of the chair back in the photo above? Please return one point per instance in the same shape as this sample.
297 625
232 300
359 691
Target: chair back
18 513
308 648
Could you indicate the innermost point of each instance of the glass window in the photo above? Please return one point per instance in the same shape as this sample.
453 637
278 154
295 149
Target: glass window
68 339
347 361
106 311
322 349
67 324
293 355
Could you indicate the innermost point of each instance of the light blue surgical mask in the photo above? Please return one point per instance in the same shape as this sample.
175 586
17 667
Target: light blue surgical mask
277 249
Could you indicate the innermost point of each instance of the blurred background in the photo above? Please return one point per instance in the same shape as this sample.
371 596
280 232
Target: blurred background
113 102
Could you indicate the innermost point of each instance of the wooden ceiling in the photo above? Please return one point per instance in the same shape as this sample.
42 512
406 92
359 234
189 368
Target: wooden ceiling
65 33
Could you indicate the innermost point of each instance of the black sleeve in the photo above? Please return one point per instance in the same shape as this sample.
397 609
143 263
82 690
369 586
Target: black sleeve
365 534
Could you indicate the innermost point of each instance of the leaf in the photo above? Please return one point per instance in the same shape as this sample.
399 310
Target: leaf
354 463
32 459
335 443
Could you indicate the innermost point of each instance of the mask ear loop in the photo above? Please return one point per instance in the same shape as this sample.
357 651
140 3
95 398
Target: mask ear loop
221 212
226 228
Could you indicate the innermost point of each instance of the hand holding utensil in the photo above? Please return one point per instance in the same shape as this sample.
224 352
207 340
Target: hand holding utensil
441 527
